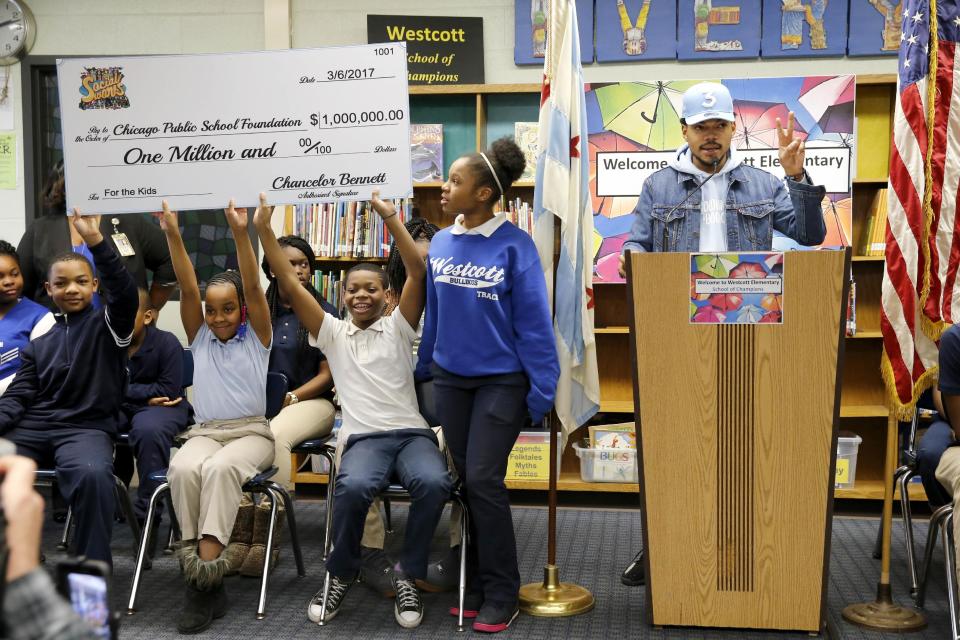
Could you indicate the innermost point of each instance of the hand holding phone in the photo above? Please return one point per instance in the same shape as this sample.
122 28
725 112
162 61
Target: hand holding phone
87 585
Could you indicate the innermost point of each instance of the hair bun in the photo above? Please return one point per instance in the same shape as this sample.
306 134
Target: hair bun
508 157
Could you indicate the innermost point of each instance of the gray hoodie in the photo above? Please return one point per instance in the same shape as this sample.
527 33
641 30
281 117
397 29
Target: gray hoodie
713 198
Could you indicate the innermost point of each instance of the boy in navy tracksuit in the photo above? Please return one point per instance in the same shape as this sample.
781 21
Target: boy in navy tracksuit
154 409
62 406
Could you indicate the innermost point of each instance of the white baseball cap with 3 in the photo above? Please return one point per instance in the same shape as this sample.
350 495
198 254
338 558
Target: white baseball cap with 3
707 101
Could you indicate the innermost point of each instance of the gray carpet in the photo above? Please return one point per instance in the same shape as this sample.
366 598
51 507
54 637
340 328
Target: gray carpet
594 546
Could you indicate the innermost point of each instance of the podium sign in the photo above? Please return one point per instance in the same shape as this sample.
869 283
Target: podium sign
736 439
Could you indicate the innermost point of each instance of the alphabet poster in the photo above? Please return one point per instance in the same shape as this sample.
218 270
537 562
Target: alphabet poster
804 28
636 30
718 29
878 27
530 31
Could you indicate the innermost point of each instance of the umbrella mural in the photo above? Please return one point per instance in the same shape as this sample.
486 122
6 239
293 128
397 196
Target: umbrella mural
697 275
726 301
829 99
771 302
774 263
838 218
709 315
771 317
757 124
609 206
750 314
715 266
645 112
748 270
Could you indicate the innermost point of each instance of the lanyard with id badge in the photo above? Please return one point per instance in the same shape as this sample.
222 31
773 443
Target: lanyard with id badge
121 240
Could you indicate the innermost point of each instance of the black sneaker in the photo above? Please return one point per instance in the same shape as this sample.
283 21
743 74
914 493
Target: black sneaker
338 589
376 571
472 601
633 575
495 617
407 608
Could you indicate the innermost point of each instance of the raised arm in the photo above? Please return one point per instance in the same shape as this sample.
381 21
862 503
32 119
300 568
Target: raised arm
258 311
191 308
308 310
412 298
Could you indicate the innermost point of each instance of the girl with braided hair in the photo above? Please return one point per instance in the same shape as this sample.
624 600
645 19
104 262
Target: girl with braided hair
230 336
21 319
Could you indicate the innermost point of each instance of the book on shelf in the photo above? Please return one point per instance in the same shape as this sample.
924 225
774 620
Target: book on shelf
519 213
426 152
526 135
877 226
346 229
329 285
852 308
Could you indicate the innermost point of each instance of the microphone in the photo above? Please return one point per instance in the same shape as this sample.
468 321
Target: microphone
716 162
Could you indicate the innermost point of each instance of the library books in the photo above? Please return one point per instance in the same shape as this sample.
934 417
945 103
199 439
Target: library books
526 135
852 308
873 241
346 229
519 213
426 152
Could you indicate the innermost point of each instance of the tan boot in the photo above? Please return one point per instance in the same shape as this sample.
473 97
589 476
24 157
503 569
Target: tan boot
253 564
241 538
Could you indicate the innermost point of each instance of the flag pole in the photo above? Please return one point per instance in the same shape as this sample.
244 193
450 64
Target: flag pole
883 614
552 598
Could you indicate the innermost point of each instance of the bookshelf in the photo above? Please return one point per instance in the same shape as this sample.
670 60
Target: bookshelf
474 115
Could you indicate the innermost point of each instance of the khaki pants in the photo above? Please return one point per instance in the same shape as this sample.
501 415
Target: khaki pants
374 529
295 423
206 474
948 474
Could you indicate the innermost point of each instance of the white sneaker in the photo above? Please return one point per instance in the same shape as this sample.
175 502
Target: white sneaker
338 589
407 607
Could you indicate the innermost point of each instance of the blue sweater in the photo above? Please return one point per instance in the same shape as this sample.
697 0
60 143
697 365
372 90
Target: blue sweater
15 330
487 311
74 375
156 369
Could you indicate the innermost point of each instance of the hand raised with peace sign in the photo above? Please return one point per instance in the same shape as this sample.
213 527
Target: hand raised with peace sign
791 149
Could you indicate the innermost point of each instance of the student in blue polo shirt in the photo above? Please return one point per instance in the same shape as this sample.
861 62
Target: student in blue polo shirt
21 320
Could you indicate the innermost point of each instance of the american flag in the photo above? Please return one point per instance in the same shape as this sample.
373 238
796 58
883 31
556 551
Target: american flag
923 247
562 192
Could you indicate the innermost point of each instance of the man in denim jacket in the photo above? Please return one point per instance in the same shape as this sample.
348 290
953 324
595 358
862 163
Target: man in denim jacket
738 206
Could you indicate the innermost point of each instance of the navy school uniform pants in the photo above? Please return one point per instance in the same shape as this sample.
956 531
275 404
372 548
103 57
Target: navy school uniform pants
152 430
481 418
83 459
368 464
937 439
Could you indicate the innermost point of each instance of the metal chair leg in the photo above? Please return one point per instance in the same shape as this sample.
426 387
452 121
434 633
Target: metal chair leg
326 592
462 584
123 496
328 526
171 538
65 537
291 525
262 602
142 552
935 521
907 516
387 515
878 543
950 565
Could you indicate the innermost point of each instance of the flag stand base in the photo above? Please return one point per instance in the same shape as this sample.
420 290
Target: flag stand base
884 615
554 599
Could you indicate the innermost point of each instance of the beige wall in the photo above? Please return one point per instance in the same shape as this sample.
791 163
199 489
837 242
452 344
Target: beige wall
115 27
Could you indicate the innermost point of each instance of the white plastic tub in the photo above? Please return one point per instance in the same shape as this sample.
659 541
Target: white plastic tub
845 471
607 465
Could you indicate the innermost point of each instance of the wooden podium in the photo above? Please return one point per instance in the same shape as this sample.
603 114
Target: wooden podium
736 438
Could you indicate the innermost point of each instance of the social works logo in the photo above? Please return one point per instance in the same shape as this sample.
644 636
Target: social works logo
103 88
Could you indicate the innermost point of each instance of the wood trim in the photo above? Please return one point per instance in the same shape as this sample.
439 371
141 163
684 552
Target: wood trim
481 139
877 78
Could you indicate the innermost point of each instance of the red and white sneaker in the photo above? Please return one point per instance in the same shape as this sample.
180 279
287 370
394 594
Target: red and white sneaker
472 602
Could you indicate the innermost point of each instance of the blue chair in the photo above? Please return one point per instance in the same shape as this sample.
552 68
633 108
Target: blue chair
261 483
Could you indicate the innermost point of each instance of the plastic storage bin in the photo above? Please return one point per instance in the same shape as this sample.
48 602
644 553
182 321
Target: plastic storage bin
846 468
606 465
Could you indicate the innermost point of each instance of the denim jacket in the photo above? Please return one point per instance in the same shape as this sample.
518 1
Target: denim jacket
757 203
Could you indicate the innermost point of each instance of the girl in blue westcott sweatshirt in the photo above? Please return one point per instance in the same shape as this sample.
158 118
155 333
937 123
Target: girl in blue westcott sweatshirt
489 337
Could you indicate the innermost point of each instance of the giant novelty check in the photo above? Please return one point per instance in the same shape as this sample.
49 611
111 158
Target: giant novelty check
309 125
